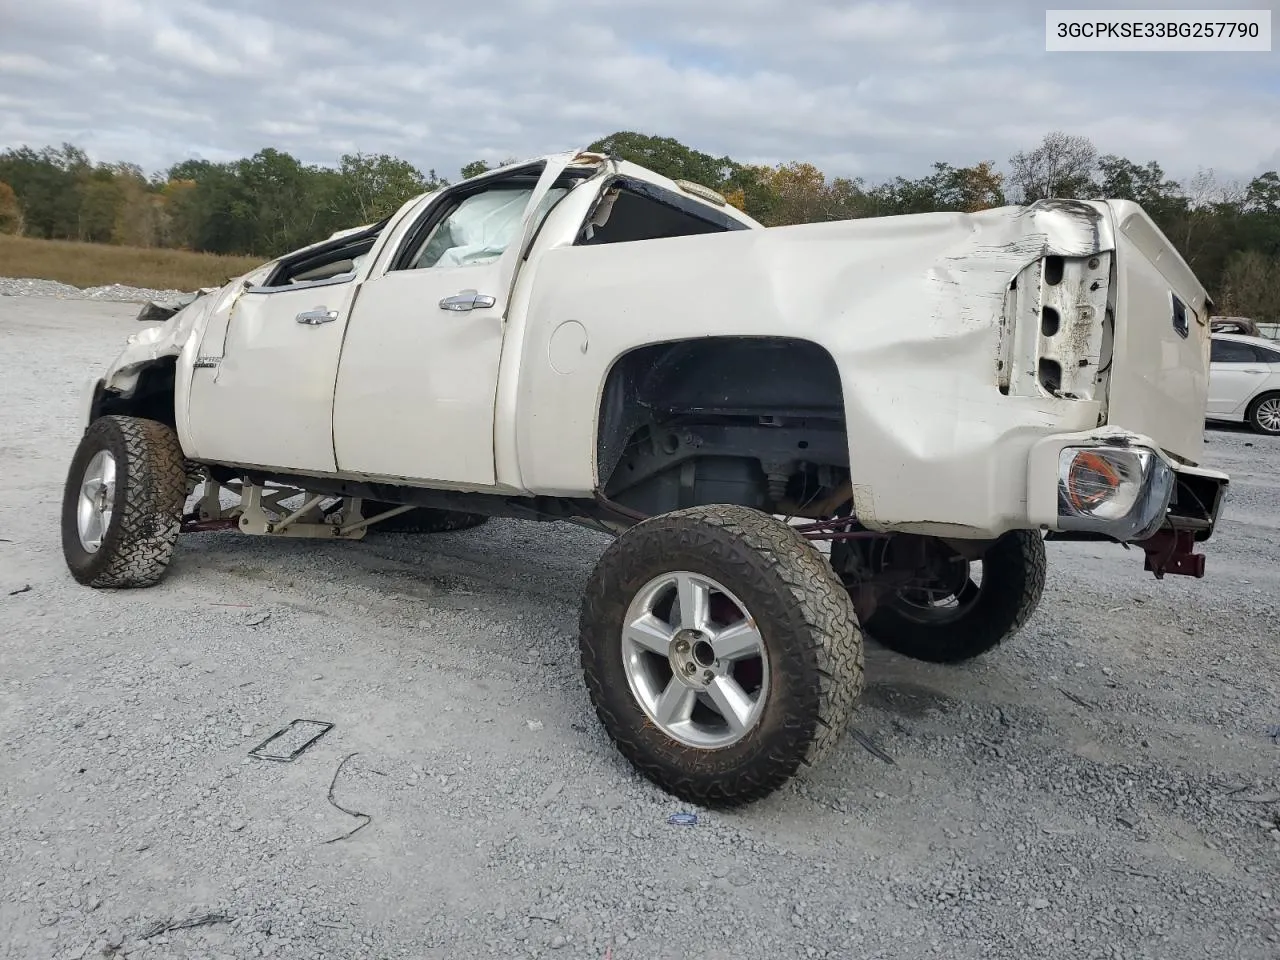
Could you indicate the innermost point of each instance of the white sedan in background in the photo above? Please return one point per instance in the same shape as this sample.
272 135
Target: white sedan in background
1244 382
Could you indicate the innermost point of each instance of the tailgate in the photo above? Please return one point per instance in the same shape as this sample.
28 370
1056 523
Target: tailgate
1159 376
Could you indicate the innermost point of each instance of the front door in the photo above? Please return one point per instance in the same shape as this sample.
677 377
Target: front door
262 388
419 371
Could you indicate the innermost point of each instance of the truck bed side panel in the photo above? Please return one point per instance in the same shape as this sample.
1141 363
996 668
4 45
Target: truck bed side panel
908 306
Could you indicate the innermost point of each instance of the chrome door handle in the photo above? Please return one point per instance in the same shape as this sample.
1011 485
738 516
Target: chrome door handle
467 300
317 316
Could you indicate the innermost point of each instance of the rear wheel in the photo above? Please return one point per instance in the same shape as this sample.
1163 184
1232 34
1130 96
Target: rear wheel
122 502
420 519
1264 414
960 612
720 652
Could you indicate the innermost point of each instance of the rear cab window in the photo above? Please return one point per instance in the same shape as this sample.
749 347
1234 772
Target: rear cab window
631 210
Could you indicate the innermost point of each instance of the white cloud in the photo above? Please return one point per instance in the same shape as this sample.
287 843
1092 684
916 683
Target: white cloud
26 65
871 89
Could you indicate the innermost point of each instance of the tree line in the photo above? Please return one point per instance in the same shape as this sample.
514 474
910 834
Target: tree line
271 202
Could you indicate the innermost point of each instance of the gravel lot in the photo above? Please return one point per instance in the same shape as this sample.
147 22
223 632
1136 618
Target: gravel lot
1104 787
115 292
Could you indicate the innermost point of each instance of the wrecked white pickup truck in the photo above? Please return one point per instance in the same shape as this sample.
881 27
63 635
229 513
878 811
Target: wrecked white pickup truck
577 338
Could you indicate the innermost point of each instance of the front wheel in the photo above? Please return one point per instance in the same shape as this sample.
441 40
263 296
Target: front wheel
122 502
720 652
953 617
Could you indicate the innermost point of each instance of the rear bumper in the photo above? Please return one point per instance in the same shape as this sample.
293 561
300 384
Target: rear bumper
1198 499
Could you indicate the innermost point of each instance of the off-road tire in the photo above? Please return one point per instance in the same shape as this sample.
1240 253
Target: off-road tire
150 492
1013 576
1252 419
805 617
420 519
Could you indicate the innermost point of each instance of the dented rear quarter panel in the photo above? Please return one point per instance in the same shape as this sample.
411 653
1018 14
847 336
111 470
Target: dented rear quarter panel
909 308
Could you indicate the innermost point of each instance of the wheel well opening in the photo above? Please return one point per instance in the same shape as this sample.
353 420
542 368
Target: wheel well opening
753 421
152 396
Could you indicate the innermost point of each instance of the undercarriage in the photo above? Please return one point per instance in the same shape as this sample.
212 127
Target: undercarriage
876 568
262 510
908 571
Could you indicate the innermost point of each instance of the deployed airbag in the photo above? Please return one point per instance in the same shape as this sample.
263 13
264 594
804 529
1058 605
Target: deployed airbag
478 231
482 227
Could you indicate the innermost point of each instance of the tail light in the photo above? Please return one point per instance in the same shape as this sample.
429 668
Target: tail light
1122 492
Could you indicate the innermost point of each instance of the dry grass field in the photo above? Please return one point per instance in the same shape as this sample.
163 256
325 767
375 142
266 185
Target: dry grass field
95 264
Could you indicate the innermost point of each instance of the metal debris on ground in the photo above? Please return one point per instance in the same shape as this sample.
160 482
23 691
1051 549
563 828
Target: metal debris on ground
301 732
354 813
25 588
1271 797
1274 733
1072 697
870 746
164 926
1129 871
683 819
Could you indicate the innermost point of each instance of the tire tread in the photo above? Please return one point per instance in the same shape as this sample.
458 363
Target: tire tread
137 549
828 665
1019 562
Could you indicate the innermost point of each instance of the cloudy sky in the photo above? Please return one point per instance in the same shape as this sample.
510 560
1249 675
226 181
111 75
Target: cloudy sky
862 89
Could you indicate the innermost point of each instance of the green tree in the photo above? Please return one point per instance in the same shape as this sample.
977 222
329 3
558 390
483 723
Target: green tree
1259 225
10 212
140 214
960 189
667 156
1263 194
1121 179
1061 166
47 185
373 186
801 193
969 189
100 201
180 221
1251 286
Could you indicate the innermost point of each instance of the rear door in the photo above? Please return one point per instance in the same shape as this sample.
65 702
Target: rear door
1236 374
